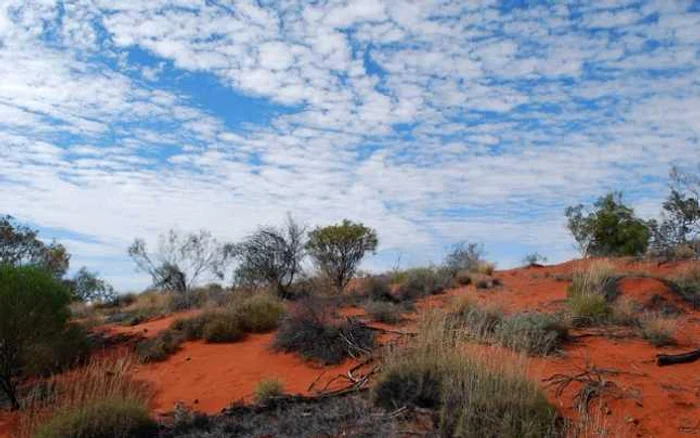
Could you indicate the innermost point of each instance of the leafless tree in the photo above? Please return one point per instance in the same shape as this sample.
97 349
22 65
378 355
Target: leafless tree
272 256
182 260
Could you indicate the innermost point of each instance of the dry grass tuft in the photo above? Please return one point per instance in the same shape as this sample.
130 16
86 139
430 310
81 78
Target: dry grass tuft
657 329
100 399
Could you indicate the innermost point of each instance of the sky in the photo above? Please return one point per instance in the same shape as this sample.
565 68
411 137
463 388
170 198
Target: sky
432 121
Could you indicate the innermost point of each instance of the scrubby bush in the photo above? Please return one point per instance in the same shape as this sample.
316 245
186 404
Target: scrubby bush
259 314
422 282
472 396
376 288
687 284
267 389
625 311
464 257
534 259
463 278
68 348
480 322
33 312
657 330
532 333
160 347
310 330
382 311
221 327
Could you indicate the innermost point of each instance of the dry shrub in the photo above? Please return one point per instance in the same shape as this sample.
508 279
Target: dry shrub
625 311
485 268
657 329
267 389
687 284
311 330
259 313
382 311
98 400
480 396
422 282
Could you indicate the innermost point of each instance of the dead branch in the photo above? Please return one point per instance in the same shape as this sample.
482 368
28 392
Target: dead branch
674 359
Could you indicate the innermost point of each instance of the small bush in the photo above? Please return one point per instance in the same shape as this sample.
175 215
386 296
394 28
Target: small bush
534 259
472 396
657 329
687 284
160 347
532 333
589 309
483 281
113 417
266 389
377 288
481 322
625 311
422 282
485 268
310 330
463 278
383 311
260 313
222 326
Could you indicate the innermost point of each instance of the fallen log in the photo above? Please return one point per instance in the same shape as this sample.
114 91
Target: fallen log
673 359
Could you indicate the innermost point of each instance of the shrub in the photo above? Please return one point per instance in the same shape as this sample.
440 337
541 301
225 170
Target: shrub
625 310
464 278
222 326
483 281
589 309
472 396
267 389
33 311
532 333
657 329
534 259
70 347
377 288
464 257
310 330
687 284
481 322
422 282
260 313
485 268
383 311
160 347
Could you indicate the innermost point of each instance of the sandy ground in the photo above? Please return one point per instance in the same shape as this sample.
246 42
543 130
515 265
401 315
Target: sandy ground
644 400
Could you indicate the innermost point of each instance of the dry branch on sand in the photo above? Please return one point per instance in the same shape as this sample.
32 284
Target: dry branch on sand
674 359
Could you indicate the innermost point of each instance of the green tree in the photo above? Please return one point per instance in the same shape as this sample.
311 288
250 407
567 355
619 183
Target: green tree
88 286
610 229
338 249
20 246
33 310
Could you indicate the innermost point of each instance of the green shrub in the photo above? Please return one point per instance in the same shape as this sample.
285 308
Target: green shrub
376 288
532 333
589 309
267 389
422 282
260 313
220 327
108 418
70 347
33 311
383 311
463 278
160 347
310 330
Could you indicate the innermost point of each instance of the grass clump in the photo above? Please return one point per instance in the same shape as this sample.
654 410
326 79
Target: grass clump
310 330
590 293
687 284
268 389
98 400
532 333
382 311
657 329
160 347
259 313
422 282
472 396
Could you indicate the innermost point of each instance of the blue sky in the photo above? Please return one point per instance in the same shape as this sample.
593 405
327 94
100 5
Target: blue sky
433 122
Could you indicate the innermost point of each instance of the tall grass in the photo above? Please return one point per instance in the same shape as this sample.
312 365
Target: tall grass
687 284
590 293
98 400
474 396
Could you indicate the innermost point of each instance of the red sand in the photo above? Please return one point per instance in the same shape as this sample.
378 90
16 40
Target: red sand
658 402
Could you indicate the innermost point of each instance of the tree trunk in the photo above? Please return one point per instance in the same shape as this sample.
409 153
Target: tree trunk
673 359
